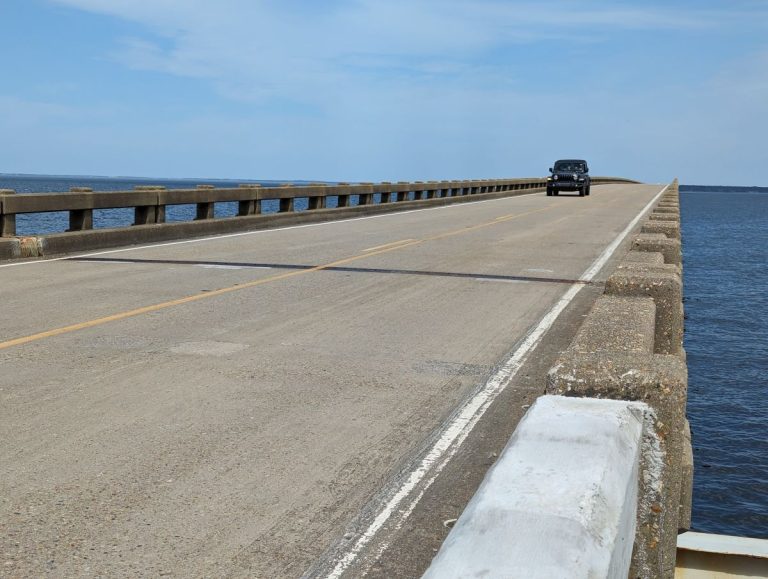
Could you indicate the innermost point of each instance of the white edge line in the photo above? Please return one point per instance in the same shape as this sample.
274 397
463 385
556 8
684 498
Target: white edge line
491 280
218 266
73 257
460 427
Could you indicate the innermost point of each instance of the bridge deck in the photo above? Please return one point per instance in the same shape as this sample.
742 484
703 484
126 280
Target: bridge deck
229 405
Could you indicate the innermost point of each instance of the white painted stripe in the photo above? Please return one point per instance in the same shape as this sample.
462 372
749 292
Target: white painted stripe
501 280
219 266
536 270
457 430
261 231
102 261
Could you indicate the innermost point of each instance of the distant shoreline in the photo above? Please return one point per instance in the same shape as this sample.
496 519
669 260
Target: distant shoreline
725 188
32 176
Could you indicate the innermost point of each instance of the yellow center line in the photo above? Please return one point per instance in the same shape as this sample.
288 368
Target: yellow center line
213 293
393 244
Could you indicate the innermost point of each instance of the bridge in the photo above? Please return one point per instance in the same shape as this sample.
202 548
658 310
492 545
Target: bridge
322 392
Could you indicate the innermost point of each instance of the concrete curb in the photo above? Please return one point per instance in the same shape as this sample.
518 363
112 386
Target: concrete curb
559 502
9 249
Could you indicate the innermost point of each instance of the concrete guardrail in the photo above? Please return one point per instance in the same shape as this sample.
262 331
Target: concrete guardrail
630 348
149 204
561 500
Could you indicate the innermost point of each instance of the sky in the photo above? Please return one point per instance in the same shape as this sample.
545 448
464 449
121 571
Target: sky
370 90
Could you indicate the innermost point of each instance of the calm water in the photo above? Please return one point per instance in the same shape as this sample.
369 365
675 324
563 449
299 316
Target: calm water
725 257
726 287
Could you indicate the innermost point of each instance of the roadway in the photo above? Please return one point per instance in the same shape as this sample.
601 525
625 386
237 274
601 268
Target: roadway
262 404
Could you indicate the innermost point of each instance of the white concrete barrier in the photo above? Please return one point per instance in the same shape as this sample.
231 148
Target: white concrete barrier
561 500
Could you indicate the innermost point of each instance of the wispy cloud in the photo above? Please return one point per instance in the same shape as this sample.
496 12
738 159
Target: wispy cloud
398 89
306 51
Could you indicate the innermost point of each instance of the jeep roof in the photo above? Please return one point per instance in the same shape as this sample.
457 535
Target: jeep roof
579 165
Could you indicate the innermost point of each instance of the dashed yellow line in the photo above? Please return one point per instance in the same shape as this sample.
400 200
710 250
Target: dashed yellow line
388 245
402 244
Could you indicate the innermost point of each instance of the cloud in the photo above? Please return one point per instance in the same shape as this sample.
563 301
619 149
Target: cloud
307 51
398 89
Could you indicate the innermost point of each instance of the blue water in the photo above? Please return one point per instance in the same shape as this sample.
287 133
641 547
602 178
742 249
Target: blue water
40 223
726 287
725 246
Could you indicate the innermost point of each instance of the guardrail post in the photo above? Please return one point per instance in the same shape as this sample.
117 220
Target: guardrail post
248 206
342 199
386 196
365 198
149 214
402 195
7 220
205 210
286 204
80 219
316 201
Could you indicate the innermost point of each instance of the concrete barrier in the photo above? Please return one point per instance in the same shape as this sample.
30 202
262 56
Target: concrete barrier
611 357
656 216
666 289
618 324
659 242
686 480
149 203
670 228
559 502
661 382
9 248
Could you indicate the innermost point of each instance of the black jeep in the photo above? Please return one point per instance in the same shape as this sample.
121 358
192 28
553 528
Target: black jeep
569 175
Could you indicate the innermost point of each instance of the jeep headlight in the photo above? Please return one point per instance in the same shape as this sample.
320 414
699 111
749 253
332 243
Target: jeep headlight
555 177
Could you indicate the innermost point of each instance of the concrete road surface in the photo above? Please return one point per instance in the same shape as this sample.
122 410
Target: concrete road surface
261 405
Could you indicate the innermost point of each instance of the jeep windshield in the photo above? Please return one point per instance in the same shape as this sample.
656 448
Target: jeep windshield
569 167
